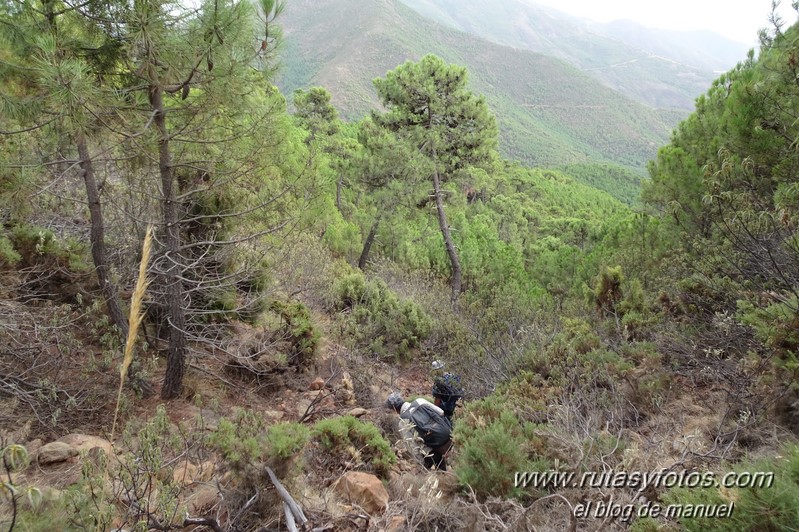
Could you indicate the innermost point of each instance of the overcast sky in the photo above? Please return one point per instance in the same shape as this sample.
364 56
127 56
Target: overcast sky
737 19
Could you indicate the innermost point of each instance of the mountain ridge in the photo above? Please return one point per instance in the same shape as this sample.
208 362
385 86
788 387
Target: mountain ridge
624 56
550 113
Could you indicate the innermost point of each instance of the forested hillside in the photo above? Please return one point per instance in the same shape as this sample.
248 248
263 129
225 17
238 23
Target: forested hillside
209 288
549 112
657 68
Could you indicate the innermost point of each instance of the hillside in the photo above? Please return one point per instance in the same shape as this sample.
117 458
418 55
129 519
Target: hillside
549 112
217 313
658 68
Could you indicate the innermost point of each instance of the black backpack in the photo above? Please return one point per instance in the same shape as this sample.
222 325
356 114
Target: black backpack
447 389
434 428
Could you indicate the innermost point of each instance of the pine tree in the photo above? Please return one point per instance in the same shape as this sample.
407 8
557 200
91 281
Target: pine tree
430 106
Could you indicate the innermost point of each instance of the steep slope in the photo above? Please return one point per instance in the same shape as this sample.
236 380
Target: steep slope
549 112
702 49
658 68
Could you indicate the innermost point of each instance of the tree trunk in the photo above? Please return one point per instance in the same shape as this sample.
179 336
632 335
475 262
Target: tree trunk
452 253
97 239
339 185
176 357
367 245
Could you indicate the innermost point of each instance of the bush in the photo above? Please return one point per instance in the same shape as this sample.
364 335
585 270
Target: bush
287 439
38 246
494 444
8 256
356 440
764 508
376 318
240 441
607 290
302 335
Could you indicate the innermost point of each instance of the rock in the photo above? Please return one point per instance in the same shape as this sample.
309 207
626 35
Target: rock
357 412
55 452
274 415
202 500
33 446
364 489
82 442
185 473
317 384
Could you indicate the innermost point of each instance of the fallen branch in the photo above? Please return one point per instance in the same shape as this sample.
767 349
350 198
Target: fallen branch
203 521
296 511
290 523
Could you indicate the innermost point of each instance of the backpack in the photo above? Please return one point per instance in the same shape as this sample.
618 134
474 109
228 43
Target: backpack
434 428
447 389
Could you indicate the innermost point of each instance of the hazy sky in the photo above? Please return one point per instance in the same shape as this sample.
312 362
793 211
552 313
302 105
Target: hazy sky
737 19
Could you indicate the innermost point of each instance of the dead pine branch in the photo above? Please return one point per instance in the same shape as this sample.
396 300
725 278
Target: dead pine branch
290 506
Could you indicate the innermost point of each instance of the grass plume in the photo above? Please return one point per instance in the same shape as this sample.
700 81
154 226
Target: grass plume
134 321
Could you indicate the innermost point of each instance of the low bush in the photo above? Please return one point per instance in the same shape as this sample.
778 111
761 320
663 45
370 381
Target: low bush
240 440
376 318
356 441
493 445
8 255
39 246
287 439
302 335
770 506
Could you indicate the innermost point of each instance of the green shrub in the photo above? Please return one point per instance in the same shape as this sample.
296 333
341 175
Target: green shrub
240 441
494 444
36 245
776 325
302 335
356 439
287 439
8 255
376 318
607 290
765 508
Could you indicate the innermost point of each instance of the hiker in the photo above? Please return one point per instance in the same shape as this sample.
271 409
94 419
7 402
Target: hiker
426 430
446 392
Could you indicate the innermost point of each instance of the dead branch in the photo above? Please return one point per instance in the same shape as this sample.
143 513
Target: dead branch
288 500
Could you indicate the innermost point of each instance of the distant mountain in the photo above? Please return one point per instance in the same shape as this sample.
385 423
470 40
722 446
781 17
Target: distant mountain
701 49
656 67
549 112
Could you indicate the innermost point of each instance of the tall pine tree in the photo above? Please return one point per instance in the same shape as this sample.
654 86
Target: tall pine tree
430 106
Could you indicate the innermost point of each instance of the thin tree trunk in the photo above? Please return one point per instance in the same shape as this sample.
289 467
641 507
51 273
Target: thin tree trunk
176 357
339 185
452 253
97 239
367 245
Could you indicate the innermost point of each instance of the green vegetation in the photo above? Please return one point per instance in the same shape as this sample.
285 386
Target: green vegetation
494 445
352 440
593 330
299 331
549 112
376 319
769 504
